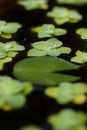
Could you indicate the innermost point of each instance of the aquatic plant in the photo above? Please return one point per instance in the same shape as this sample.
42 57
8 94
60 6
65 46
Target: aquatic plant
63 15
68 92
81 57
51 47
13 93
30 127
82 32
9 50
43 70
33 4
68 119
8 28
49 30
74 2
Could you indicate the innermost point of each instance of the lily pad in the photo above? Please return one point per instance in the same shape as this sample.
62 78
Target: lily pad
42 70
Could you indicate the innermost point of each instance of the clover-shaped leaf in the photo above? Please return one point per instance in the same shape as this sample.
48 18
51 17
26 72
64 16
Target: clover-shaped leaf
68 119
9 50
33 4
82 32
30 127
12 93
8 28
75 2
52 47
63 15
73 92
81 57
43 70
49 30
3 61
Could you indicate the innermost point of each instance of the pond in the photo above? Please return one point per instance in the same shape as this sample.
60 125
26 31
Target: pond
43 64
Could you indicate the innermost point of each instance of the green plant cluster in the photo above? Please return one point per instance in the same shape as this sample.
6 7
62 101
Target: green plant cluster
74 92
51 47
13 93
68 119
63 15
44 67
33 4
30 127
49 30
9 50
81 57
8 28
82 32
75 2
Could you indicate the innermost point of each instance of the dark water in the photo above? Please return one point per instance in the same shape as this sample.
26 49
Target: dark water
39 106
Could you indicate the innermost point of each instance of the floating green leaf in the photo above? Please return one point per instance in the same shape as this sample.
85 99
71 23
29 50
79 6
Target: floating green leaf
63 15
3 61
52 47
68 119
82 32
9 50
33 4
49 30
42 70
81 57
30 127
12 93
75 2
8 28
74 92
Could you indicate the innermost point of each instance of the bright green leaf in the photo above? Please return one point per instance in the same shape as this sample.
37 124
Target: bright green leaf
8 28
67 119
30 127
81 57
74 2
62 15
50 47
82 32
33 4
42 70
49 30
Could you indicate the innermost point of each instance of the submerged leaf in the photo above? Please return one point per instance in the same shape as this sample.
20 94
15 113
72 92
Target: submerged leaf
62 15
42 70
